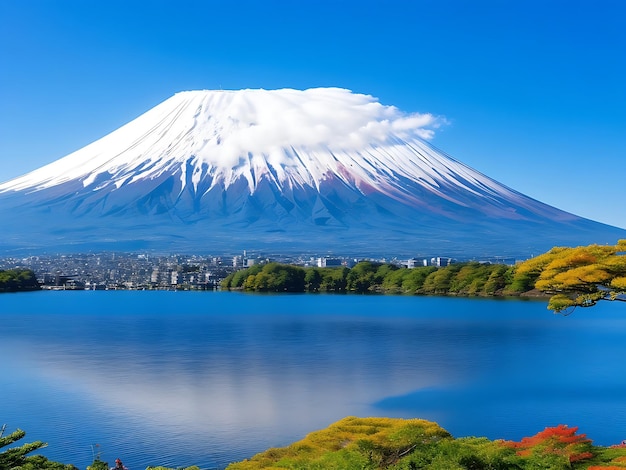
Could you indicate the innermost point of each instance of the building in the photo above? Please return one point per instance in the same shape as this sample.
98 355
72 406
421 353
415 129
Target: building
440 261
329 262
416 263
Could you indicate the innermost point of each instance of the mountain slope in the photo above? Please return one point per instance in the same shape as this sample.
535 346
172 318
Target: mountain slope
314 170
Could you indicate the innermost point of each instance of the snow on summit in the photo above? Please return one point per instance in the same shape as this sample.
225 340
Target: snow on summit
294 138
223 129
287 169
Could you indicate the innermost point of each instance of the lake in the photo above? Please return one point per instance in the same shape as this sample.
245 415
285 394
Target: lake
207 378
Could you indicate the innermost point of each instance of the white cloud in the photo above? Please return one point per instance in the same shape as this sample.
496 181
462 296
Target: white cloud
260 121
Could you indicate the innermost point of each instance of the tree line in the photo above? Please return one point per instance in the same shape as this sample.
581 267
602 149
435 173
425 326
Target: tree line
470 278
14 280
572 277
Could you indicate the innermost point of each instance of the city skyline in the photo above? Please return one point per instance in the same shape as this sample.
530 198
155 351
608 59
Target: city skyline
139 271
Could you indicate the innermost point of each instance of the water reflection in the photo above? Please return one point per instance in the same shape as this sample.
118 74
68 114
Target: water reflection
252 373
214 378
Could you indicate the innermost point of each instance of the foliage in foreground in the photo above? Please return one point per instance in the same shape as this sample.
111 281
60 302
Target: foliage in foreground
391 444
17 458
193 467
397 444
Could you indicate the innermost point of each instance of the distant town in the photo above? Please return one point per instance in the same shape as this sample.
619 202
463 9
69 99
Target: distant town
139 271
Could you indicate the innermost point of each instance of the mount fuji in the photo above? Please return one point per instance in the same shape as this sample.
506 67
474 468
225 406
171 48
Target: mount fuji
320 170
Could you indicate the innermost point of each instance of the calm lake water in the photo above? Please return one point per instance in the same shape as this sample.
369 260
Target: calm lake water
207 378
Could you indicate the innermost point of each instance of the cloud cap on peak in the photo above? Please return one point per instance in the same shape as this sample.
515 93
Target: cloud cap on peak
224 128
261 121
308 170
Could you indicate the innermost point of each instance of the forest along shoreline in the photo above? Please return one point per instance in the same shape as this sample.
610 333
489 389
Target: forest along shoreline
460 279
570 277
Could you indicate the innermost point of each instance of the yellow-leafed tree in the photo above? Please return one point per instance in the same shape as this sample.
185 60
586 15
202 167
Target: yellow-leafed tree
577 277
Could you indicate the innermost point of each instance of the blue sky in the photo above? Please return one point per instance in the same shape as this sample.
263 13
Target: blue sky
534 92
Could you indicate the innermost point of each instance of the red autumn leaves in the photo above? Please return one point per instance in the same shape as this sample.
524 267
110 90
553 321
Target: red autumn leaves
559 440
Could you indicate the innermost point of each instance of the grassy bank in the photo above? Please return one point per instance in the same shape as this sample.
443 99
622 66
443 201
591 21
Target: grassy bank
394 444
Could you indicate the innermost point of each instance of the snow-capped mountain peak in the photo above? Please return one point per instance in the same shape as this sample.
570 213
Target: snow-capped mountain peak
237 133
289 136
274 161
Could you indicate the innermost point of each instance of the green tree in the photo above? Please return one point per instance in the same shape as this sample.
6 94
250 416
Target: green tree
13 280
439 281
334 279
393 280
273 277
362 277
498 279
98 464
383 272
415 278
469 278
313 279
17 458
236 279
